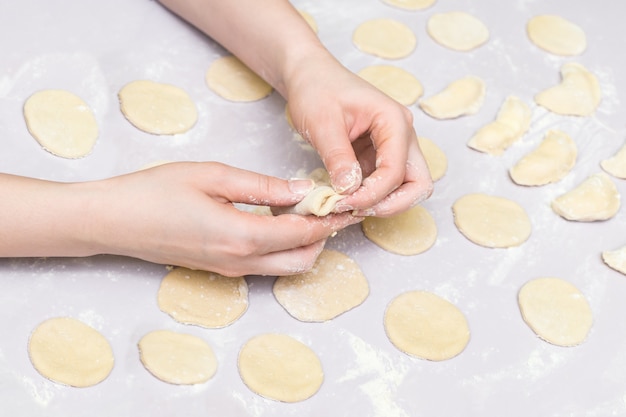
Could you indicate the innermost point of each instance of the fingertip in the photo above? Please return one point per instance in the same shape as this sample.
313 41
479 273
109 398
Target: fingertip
346 180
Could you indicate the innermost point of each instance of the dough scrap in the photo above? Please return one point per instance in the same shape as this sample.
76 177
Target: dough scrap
511 123
616 259
61 122
462 97
386 38
556 35
157 108
320 201
396 82
408 233
411 4
332 287
550 162
456 30
616 165
491 221
67 351
279 367
177 358
231 79
435 158
556 311
578 94
203 298
426 326
596 198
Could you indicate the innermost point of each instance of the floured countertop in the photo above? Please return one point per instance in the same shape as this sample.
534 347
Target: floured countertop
93 48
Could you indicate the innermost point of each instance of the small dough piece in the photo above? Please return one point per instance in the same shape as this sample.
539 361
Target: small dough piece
67 351
177 358
462 97
556 35
333 286
616 165
386 38
459 31
616 259
61 122
202 298
157 108
396 82
550 162
512 122
408 233
596 198
320 201
426 326
279 367
231 79
490 221
578 94
435 158
410 4
556 311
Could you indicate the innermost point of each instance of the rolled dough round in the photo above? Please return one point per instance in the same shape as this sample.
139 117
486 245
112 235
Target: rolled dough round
459 31
396 82
279 367
231 79
61 122
409 233
177 358
556 35
556 311
435 158
202 298
425 325
490 221
386 38
411 4
67 351
333 286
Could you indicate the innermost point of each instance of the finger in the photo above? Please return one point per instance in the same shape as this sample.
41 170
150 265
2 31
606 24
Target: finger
289 262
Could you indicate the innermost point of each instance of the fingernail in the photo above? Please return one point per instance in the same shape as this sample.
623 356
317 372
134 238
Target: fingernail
364 212
300 186
348 179
342 208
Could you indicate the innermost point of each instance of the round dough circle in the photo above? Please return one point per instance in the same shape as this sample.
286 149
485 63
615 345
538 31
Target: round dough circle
202 298
278 367
333 286
435 158
396 82
386 38
177 358
459 31
425 325
490 221
231 79
61 122
411 4
556 35
67 351
408 233
157 108
556 311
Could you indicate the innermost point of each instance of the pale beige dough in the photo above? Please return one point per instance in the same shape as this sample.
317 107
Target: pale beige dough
67 351
61 122
616 259
333 286
556 35
231 79
177 358
596 198
202 298
426 326
278 367
157 108
550 162
616 165
435 158
491 221
462 97
578 94
409 233
511 123
386 38
456 30
411 4
320 201
309 20
396 82
556 311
